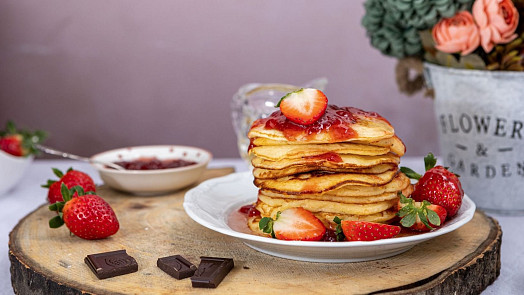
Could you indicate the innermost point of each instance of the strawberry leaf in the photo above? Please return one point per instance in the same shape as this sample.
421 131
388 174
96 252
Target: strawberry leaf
58 173
429 161
48 184
79 190
424 219
408 220
433 217
338 229
10 127
410 173
266 225
56 222
66 193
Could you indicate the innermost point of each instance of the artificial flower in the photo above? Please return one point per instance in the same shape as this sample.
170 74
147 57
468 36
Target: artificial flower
497 21
458 34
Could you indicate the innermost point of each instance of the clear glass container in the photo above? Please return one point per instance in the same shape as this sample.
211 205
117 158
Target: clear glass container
257 100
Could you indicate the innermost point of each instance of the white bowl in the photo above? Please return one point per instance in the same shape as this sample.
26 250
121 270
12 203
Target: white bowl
150 182
12 169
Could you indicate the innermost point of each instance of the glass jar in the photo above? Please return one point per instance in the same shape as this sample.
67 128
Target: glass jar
256 100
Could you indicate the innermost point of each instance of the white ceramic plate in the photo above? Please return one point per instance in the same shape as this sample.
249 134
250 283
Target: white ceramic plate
211 203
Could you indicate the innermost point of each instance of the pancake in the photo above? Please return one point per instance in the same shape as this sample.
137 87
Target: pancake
338 124
394 144
332 198
399 183
269 206
261 173
318 182
279 152
328 160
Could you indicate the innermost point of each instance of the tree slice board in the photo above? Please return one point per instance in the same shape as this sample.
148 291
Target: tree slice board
51 261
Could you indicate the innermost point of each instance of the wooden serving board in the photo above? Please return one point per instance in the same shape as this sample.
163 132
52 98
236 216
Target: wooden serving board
51 261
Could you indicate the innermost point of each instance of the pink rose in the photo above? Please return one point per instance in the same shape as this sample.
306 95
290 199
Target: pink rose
457 34
497 21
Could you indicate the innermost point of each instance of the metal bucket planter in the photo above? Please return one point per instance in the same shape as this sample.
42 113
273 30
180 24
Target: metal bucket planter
480 118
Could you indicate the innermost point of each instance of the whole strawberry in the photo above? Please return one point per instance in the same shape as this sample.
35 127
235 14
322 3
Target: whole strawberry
87 216
71 178
438 186
18 142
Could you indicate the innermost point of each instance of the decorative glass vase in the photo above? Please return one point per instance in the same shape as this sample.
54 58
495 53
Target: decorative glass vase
480 119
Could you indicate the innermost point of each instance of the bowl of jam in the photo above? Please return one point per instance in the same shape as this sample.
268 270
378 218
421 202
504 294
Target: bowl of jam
150 170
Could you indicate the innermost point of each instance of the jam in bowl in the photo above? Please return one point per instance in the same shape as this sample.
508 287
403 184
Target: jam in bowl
162 168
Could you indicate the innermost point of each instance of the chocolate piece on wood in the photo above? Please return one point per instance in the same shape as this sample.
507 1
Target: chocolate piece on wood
111 264
176 266
211 271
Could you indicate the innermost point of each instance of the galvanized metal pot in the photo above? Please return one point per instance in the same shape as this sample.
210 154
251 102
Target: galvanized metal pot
480 118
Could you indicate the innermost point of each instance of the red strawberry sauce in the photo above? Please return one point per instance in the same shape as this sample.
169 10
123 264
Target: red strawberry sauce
336 121
329 156
154 164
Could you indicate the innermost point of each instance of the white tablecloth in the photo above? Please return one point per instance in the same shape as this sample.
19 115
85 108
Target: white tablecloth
28 195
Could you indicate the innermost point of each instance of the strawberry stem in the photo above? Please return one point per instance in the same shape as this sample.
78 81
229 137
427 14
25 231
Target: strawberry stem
430 161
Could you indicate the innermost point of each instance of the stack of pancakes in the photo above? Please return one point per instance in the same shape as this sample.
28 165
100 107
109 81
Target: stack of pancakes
345 165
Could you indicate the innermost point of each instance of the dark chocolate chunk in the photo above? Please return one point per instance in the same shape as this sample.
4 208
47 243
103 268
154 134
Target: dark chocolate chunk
111 264
211 271
176 266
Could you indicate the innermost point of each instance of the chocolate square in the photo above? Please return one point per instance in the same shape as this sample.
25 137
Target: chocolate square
110 264
176 266
211 271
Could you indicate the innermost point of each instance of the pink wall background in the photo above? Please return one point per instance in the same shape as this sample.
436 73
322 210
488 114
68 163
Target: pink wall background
105 74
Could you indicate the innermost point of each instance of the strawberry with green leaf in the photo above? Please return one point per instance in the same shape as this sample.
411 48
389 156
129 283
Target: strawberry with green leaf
294 224
19 142
304 106
438 186
71 178
420 216
87 215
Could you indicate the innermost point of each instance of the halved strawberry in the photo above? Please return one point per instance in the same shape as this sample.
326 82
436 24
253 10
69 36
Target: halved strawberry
304 106
368 231
420 216
296 224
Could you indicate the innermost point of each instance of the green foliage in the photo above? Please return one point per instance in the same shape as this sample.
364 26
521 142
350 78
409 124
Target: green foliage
402 28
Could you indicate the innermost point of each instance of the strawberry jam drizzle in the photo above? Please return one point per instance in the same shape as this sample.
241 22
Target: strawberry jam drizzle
336 121
249 210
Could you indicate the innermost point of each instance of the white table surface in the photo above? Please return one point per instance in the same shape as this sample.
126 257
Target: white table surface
28 195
